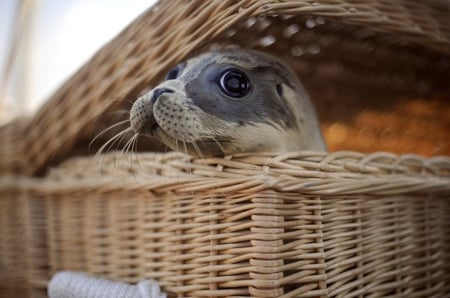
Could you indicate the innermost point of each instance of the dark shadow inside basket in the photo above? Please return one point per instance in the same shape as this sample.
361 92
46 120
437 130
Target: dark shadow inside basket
373 91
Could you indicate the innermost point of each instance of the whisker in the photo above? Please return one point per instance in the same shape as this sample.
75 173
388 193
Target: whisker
134 148
189 160
185 148
111 141
125 146
109 144
118 140
214 139
131 148
126 150
103 132
219 188
135 151
197 149
145 171
121 140
218 144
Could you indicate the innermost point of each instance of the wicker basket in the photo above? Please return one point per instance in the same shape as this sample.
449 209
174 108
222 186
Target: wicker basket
300 224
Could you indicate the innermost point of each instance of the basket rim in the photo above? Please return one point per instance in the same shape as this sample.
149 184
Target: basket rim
304 172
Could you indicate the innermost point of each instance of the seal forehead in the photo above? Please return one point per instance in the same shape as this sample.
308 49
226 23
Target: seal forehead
249 59
243 58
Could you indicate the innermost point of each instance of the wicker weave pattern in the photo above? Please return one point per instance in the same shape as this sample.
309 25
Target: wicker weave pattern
140 55
301 224
13 257
380 169
272 229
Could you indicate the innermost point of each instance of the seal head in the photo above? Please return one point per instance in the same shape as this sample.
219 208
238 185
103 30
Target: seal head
227 102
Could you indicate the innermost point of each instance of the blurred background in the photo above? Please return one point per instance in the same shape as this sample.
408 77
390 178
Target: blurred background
42 42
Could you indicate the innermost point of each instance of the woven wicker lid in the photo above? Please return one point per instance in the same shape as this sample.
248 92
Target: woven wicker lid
376 70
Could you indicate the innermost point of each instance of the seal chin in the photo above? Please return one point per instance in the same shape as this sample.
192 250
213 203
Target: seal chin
206 147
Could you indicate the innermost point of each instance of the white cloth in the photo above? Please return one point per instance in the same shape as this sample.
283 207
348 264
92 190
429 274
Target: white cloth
66 284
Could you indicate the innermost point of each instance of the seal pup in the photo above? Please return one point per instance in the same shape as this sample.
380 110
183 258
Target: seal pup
226 102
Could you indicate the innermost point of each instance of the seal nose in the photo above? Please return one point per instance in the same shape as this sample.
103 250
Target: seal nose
157 93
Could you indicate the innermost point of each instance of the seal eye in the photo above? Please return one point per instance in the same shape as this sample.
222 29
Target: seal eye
234 83
173 74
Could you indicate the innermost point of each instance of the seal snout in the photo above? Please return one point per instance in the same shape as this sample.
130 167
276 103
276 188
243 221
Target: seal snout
157 93
141 115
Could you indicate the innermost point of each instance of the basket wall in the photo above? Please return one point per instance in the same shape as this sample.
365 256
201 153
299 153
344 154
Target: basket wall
370 226
13 248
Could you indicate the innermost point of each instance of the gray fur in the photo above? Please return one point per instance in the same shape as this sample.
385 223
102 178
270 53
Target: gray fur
195 111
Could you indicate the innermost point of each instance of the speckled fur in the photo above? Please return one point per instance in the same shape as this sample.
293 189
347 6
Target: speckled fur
195 116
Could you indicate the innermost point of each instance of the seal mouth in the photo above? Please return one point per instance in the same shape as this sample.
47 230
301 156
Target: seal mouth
153 128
